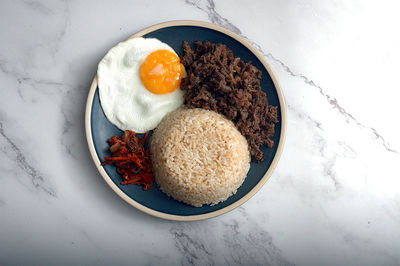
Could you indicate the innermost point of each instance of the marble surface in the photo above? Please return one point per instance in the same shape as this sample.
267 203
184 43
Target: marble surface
334 198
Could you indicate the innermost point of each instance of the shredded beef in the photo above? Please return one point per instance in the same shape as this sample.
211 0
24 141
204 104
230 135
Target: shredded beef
217 80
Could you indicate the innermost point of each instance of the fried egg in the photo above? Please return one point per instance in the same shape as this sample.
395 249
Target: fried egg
138 83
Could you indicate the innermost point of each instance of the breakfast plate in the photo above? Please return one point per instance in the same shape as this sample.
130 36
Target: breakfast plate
154 201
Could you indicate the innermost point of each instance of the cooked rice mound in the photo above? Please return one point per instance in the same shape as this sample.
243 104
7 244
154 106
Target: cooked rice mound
198 156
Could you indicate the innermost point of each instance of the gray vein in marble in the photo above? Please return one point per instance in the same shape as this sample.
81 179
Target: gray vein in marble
39 7
193 251
305 116
37 83
328 166
66 128
329 161
322 144
52 41
242 210
208 6
7 71
320 140
57 87
36 177
66 17
239 243
348 151
23 78
73 119
333 102
329 170
10 72
252 247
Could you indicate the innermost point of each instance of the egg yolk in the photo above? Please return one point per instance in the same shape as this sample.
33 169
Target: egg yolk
161 72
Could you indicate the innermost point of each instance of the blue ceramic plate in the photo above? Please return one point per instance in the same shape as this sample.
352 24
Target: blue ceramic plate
153 201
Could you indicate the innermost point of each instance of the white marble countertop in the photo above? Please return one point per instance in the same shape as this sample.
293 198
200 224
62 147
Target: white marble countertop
334 198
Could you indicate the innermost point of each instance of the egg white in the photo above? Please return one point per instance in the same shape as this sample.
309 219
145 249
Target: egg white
125 101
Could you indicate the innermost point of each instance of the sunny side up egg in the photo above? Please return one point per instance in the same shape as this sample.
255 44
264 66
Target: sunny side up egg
138 83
